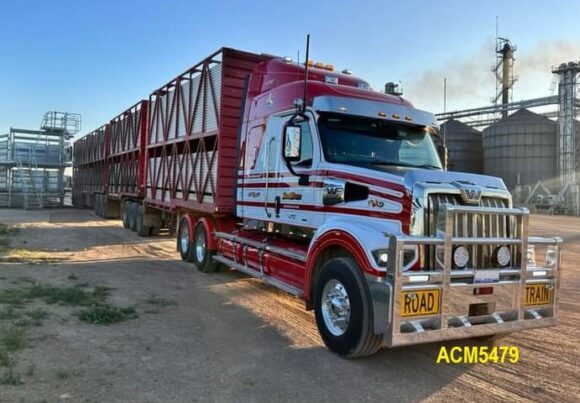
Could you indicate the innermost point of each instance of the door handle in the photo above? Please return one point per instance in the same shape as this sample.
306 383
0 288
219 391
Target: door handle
277 206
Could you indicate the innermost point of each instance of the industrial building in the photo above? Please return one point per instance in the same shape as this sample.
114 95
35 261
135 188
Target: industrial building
532 144
32 162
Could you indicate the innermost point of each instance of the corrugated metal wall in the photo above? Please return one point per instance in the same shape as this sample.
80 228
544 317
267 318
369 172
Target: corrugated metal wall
522 144
465 147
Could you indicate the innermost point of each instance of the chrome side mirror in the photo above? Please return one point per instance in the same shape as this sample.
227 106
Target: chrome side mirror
292 143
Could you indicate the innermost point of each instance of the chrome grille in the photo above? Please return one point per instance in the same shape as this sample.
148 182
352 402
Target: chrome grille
469 225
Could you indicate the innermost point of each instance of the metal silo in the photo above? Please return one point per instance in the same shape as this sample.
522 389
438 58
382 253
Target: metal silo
464 147
522 145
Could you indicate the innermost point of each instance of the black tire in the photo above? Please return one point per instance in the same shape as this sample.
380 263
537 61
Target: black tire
96 206
184 242
104 206
133 213
202 257
142 230
101 206
125 214
356 338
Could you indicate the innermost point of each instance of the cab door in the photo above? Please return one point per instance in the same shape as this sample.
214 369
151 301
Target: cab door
294 195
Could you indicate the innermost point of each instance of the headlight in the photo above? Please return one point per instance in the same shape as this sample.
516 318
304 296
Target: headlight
502 256
531 256
460 257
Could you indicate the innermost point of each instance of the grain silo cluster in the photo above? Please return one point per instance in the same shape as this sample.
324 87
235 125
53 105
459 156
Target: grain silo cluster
533 145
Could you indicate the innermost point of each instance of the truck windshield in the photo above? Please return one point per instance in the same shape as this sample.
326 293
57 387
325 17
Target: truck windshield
354 140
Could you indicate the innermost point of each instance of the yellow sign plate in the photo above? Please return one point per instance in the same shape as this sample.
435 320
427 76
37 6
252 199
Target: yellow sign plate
538 294
417 303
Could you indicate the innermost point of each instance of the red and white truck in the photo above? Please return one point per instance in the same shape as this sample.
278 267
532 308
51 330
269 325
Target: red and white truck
310 180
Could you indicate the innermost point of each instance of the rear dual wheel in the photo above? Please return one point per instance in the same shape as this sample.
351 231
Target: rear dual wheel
194 247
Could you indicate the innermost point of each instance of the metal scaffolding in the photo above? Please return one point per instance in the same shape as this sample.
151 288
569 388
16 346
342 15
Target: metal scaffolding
32 162
487 115
567 114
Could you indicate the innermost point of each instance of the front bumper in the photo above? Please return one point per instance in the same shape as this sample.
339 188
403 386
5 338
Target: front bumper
507 309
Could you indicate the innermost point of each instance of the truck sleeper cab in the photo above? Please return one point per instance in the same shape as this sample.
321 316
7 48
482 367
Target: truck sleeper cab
342 200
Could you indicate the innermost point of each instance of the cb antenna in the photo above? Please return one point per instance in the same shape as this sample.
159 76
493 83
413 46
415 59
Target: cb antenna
306 73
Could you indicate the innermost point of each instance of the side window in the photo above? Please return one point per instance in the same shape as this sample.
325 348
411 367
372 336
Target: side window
306 147
253 144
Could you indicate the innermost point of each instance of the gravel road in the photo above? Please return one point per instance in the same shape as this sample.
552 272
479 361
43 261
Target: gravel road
225 337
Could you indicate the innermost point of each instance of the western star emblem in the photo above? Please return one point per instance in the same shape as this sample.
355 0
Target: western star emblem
470 195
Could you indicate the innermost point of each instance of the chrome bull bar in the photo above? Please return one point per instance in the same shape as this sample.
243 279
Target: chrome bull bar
456 287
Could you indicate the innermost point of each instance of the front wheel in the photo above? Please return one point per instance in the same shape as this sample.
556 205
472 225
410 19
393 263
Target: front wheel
343 310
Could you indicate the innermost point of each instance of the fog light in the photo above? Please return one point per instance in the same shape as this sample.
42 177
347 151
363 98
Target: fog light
551 257
384 258
502 256
381 257
531 256
460 257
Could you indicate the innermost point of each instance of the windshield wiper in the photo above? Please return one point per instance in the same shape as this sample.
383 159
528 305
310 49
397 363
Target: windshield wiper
404 164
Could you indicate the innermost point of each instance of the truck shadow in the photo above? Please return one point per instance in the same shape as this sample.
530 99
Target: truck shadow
254 342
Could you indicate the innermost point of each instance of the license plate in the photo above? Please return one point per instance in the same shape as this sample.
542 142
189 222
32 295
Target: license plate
486 276
538 294
416 303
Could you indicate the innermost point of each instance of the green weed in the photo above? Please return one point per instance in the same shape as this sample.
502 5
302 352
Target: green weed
106 314
13 339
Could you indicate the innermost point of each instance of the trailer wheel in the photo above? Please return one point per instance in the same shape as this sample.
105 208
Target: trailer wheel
343 310
184 243
96 207
142 230
133 213
101 206
125 214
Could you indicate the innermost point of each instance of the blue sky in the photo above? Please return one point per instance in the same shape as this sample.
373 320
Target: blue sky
99 57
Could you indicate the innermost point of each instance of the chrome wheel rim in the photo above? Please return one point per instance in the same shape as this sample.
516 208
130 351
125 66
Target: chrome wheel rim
335 307
200 247
184 239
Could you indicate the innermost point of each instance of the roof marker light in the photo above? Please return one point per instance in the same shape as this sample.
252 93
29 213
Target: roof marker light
331 79
319 65
310 63
348 72
329 67
382 114
287 59
396 116
408 118
342 109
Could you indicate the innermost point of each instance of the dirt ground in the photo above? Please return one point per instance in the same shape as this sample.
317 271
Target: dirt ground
225 337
